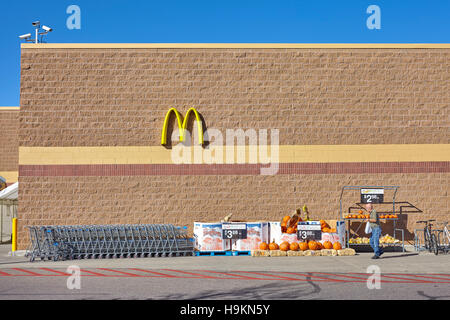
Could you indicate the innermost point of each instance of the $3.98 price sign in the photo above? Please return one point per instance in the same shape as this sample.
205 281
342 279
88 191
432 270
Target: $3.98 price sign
307 232
234 231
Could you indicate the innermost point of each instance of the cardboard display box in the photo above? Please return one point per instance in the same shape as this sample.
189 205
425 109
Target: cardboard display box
257 232
279 237
208 237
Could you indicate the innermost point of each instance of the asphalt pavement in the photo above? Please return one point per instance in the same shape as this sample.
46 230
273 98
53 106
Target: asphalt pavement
403 276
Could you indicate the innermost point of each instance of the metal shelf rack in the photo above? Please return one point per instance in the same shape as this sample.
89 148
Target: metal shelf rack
349 220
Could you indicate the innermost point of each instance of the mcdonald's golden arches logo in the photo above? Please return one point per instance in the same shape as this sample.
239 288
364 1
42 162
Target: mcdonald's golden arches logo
182 125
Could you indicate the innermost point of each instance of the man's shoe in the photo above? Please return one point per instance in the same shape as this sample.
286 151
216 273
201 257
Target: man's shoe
376 257
381 252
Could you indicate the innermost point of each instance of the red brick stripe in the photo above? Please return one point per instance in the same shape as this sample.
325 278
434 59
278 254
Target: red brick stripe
230 169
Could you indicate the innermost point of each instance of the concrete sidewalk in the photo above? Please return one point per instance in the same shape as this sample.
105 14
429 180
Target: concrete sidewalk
408 262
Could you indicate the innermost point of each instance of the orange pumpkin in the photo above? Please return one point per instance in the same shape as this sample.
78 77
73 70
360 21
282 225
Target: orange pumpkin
312 245
290 230
263 246
284 246
354 216
303 246
333 230
382 216
326 230
328 245
360 211
273 245
337 245
319 245
286 219
294 246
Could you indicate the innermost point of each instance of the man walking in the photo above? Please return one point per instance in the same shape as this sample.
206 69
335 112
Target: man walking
374 221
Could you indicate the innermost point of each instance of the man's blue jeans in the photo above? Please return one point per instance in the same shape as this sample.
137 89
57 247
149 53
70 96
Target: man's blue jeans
375 240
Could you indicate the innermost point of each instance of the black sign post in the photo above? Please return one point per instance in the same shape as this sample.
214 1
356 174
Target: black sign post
234 231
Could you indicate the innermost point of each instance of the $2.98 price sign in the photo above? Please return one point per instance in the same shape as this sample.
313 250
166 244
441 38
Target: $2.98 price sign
372 195
234 231
309 232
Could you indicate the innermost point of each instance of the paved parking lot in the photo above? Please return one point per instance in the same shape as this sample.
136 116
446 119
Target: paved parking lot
403 276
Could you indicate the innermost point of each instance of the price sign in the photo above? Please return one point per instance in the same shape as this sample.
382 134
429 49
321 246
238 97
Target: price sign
307 232
234 231
372 195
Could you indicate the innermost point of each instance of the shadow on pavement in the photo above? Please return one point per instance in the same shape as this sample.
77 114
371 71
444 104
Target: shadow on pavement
272 290
401 255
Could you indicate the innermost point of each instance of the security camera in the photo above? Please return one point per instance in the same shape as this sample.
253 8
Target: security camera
48 29
36 23
25 36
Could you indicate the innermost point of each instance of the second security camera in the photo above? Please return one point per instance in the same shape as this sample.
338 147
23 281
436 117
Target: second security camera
25 36
48 29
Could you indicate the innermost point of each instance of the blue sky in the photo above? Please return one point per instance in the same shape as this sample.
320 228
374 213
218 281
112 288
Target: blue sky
281 21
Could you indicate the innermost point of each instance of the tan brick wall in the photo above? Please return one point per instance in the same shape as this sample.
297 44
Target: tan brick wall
103 97
185 199
9 140
119 97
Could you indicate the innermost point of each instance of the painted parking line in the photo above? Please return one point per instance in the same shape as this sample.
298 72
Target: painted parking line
198 275
425 276
230 275
95 273
29 272
341 275
156 274
121 272
237 276
5 274
61 273
407 279
311 275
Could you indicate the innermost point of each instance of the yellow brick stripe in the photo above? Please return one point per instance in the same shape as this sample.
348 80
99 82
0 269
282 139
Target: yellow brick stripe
10 176
287 154
9 108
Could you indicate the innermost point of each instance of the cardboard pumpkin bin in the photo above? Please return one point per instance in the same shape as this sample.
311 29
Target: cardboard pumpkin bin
338 236
279 237
208 237
257 232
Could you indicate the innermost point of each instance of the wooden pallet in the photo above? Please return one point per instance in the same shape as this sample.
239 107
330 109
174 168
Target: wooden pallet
222 253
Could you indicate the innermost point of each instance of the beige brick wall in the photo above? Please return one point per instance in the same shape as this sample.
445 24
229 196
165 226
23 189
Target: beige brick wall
9 140
185 199
103 97
119 97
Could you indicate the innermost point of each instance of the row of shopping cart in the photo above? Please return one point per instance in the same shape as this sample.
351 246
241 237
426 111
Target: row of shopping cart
108 241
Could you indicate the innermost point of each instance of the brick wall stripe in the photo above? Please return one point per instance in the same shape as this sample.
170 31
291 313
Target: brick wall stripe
287 154
235 169
235 45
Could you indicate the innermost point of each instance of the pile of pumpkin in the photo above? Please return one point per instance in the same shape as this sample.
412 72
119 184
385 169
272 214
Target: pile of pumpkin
326 227
289 224
360 215
300 246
